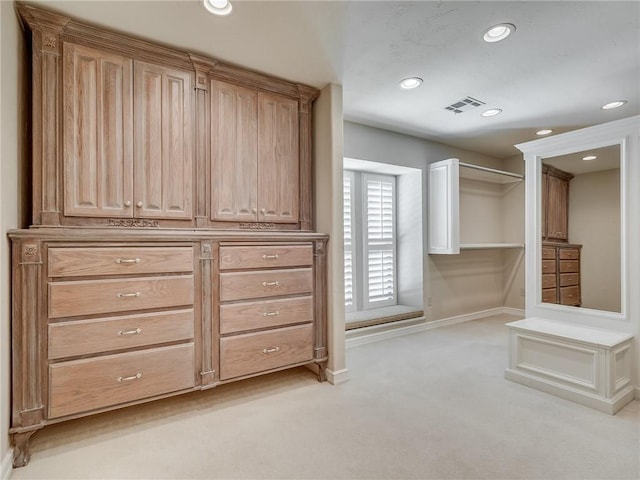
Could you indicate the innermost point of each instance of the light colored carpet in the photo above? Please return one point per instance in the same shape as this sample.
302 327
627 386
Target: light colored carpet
433 405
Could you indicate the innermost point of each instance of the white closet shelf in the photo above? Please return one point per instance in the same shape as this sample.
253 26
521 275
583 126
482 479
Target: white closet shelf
486 174
488 246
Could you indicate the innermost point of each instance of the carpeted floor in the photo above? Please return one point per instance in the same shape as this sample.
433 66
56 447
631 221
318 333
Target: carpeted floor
433 405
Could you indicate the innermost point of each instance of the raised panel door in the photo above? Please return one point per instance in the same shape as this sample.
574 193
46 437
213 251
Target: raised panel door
234 153
164 167
97 131
556 208
278 159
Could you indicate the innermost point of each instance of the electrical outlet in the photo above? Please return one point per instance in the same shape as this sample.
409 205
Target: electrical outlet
428 301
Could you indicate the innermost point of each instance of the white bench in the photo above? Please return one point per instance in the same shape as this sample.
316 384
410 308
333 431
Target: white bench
587 365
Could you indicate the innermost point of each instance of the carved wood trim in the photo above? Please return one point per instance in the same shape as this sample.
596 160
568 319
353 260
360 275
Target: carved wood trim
320 301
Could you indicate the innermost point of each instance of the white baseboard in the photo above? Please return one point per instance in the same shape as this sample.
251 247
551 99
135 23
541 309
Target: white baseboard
7 466
337 377
610 406
377 333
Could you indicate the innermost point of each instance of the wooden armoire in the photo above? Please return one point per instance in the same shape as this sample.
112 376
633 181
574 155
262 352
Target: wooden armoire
560 259
172 245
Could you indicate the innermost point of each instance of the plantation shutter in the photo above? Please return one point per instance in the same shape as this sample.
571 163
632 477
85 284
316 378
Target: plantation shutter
349 267
379 240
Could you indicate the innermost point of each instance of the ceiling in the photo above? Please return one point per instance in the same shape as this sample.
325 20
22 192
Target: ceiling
565 60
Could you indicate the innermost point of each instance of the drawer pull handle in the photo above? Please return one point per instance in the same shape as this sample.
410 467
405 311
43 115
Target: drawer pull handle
130 332
137 376
270 257
270 314
267 351
127 261
270 284
125 295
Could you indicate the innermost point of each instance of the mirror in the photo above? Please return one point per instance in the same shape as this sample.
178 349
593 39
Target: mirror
580 248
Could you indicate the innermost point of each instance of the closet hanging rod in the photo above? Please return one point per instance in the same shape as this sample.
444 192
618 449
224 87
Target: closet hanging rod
492 170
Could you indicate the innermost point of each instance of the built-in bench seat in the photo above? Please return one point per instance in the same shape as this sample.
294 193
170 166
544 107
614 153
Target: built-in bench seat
587 365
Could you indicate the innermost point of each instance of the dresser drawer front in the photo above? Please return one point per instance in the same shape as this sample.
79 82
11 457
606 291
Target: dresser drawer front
570 295
569 266
86 297
265 256
85 337
548 253
548 266
78 262
569 253
271 283
549 295
257 352
568 279
549 280
84 385
238 317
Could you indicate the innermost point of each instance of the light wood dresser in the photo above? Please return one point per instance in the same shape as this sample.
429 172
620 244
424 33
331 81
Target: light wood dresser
171 246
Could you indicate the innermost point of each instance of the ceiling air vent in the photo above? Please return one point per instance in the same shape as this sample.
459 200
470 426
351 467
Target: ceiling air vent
464 105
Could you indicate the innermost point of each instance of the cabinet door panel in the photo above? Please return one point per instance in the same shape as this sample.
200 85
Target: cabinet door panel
98 126
278 162
234 153
163 143
558 198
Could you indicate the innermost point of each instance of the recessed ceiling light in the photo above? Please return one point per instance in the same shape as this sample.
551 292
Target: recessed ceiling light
492 112
615 104
498 32
590 157
218 7
545 131
411 82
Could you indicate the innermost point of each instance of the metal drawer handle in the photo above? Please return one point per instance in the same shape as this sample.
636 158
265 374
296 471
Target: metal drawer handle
267 351
124 295
137 376
130 332
270 284
127 260
270 257
270 314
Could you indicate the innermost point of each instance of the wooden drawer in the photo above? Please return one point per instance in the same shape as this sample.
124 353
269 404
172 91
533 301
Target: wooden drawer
82 385
569 253
85 337
568 279
548 266
269 283
549 295
549 280
569 266
85 297
257 352
548 253
237 317
76 262
570 295
265 256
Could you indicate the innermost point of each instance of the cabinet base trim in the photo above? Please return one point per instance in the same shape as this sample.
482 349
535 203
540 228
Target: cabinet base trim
610 406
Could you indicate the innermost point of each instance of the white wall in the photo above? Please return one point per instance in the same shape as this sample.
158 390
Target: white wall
13 208
328 160
458 284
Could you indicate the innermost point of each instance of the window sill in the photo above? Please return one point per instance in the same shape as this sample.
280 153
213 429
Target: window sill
379 316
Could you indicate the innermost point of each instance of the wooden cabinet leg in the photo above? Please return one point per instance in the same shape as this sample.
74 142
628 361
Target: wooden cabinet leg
322 371
21 452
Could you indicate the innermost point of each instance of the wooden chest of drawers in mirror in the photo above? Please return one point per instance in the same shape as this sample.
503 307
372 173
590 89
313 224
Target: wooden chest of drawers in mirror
561 273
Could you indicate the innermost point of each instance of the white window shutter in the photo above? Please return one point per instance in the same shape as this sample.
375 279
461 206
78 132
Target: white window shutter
349 267
379 240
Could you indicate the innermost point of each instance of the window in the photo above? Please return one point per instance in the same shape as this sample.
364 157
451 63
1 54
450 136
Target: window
369 240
